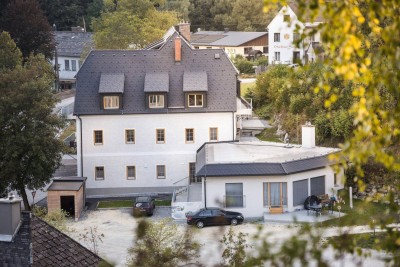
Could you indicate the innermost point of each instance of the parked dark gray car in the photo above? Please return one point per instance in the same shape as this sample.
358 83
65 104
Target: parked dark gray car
143 206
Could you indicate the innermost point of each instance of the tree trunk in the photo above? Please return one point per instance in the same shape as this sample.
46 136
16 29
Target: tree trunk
22 193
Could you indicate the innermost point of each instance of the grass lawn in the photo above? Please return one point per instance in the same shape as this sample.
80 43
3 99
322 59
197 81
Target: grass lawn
129 203
363 213
245 87
71 128
269 135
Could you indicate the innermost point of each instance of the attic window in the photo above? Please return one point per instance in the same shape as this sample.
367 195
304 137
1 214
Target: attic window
286 18
217 56
111 102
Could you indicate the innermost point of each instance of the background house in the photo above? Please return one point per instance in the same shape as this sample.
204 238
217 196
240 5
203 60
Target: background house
247 44
142 114
282 35
262 177
70 46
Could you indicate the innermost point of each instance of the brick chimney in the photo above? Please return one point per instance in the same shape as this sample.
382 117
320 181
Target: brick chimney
10 219
178 48
184 30
308 135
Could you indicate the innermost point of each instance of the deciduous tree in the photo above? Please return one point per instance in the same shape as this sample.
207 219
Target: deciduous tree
29 149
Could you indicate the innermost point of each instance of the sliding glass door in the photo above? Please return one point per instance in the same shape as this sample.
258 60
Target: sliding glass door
275 194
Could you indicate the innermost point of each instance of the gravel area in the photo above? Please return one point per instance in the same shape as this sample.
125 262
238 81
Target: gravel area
118 227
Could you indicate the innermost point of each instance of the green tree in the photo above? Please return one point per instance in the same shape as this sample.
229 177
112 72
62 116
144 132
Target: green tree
9 53
234 253
131 24
162 242
28 27
29 149
200 14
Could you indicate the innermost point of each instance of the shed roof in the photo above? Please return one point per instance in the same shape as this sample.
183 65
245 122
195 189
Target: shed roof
156 82
112 83
195 81
225 38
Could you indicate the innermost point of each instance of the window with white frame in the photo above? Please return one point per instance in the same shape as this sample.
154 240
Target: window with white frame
99 173
156 101
286 18
277 37
73 65
130 172
195 100
66 63
161 172
189 135
98 137
160 136
213 134
234 195
130 136
111 102
277 56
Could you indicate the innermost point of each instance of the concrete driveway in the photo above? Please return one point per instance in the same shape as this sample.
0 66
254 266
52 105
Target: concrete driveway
118 227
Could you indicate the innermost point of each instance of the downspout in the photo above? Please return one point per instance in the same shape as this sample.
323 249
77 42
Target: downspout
81 152
233 126
205 186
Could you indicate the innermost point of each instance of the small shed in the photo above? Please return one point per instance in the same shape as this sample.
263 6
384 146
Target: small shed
68 194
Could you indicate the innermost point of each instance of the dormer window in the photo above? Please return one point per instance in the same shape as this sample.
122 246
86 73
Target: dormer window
195 86
111 89
156 101
111 102
195 100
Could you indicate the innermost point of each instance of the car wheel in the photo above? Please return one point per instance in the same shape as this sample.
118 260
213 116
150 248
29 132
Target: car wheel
234 221
200 224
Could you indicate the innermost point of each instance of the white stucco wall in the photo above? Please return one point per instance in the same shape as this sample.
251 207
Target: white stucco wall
145 154
253 190
67 74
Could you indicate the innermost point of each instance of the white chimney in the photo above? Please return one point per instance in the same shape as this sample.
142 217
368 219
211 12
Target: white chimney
10 219
308 135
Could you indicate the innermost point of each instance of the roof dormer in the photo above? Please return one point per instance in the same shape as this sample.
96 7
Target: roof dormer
111 88
195 87
156 88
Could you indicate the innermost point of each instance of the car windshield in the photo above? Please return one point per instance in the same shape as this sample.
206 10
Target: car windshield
142 204
142 199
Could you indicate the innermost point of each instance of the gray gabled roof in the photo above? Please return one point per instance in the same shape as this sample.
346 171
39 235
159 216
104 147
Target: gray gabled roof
112 83
264 169
156 82
134 64
221 38
72 44
195 81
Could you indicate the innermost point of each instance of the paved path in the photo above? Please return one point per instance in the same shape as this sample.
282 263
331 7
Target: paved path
118 227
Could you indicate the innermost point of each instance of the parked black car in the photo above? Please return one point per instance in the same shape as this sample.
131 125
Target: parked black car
214 216
143 206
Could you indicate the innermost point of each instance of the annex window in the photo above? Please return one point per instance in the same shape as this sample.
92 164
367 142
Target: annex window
160 136
195 100
99 173
73 65
265 49
275 194
296 36
98 137
111 102
66 64
156 101
130 172
213 134
234 195
160 171
130 136
286 18
247 50
277 56
277 37
189 135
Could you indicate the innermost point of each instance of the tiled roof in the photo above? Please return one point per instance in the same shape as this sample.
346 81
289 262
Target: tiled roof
156 82
53 248
268 168
221 38
111 83
72 44
195 81
134 64
17 252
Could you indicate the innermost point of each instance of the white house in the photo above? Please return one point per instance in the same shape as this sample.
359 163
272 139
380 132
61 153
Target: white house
282 35
263 177
69 48
143 114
